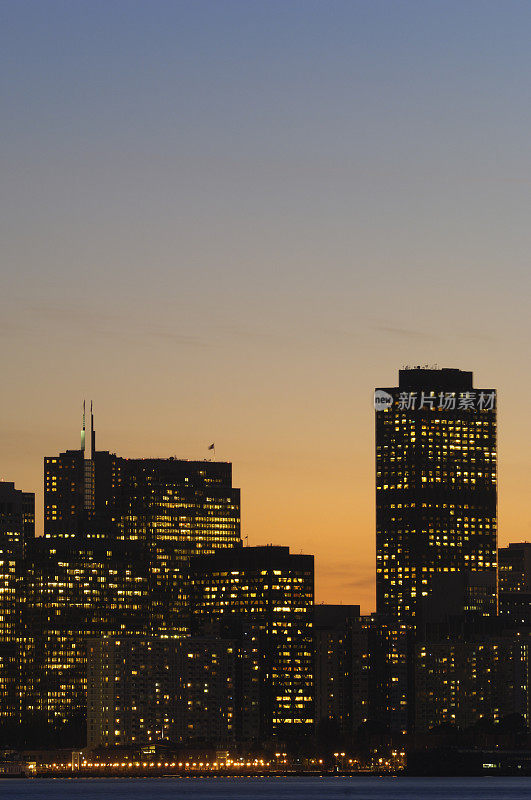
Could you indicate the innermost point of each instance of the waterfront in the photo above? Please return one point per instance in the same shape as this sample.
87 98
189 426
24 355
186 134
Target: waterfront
329 788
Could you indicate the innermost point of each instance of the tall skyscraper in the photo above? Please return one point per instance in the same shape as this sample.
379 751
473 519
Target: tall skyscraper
436 493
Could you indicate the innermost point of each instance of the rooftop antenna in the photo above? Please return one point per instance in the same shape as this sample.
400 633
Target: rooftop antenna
88 446
92 433
83 429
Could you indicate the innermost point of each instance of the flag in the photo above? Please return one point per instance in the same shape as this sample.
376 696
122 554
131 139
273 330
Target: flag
211 446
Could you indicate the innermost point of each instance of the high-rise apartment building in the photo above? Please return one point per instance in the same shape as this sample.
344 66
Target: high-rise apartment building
146 690
465 679
77 588
436 494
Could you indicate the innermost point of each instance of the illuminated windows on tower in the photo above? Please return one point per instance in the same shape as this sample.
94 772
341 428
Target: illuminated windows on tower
436 494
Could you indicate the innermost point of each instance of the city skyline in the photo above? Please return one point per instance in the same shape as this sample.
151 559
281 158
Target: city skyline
365 597
139 619
230 222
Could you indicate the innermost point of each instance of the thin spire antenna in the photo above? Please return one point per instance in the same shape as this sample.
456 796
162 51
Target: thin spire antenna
90 440
83 429
92 432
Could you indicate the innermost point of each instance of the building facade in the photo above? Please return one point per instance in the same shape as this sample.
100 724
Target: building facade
341 668
176 508
132 686
76 588
118 538
148 690
514 583
17 531
461 681
271 590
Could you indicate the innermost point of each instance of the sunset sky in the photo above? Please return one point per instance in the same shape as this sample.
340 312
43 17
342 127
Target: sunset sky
229 221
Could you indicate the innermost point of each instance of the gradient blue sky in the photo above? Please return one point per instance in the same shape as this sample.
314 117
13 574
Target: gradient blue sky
230 220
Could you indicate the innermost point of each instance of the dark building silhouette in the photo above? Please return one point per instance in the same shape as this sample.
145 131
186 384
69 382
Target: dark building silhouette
462 680
341 669
271 590
514 583
78 489
390 648
436 497
17 518
17 530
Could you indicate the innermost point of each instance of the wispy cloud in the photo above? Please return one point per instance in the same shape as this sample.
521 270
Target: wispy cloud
360 583
80 320
361 577
408 333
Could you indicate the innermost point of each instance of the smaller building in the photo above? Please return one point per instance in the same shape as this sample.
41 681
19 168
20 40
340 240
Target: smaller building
514 582
341 667
17 518
146 690
463 680
77 588
17 530
514 567
391 692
